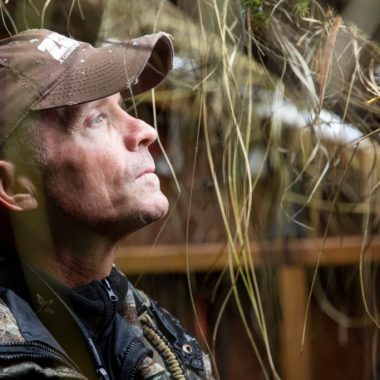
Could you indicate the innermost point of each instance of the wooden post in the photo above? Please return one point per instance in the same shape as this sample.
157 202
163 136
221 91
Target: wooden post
293 293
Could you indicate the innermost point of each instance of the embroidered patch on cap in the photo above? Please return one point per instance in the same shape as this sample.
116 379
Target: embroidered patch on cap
58 46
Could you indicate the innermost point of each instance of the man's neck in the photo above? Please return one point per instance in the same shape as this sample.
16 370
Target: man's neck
74 270
76 260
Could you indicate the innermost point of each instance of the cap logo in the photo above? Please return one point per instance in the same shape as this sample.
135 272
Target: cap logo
58 46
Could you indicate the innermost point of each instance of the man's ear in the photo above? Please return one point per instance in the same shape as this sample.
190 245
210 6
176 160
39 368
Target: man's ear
17 191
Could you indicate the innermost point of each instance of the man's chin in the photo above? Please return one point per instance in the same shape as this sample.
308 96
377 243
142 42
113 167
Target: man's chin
129 219
143 220
147 214
157 211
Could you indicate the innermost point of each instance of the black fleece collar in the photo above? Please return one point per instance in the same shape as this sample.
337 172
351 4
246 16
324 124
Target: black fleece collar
91 303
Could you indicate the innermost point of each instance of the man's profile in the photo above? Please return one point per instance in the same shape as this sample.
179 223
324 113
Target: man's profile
76 177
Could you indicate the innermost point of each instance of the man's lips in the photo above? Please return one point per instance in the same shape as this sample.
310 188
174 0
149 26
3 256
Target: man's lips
147 171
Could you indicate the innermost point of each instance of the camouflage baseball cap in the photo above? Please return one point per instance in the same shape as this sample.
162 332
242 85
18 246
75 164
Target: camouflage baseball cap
41 69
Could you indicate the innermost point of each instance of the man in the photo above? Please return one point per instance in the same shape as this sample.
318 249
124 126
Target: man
76 177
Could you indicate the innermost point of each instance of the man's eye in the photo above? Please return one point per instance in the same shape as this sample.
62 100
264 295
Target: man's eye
98 121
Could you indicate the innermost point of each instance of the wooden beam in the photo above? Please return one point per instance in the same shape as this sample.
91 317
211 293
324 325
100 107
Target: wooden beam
293 292
214 256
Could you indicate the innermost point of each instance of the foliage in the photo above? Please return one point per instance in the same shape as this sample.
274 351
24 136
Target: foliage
301 7
258 16
252 148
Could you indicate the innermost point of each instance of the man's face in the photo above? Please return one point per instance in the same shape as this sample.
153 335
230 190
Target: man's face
98 170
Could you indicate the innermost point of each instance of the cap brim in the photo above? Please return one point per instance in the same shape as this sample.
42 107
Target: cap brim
130 67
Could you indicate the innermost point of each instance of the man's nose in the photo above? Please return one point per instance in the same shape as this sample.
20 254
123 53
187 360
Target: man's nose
138 134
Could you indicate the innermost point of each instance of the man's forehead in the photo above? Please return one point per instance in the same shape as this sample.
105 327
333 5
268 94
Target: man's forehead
70 115
100 102
109 99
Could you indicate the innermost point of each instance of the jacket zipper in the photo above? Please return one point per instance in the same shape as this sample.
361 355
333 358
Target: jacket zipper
140 355
137 353
137 365
108 288
51 353
109 312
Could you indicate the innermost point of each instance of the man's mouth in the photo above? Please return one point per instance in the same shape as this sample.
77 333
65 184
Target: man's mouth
149 170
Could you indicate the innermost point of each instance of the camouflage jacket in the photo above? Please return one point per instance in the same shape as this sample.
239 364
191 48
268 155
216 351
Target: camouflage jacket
159 349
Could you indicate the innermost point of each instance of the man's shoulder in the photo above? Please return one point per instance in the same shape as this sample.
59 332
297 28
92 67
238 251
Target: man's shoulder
166 334
9 329
22 356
